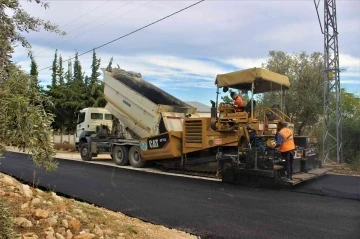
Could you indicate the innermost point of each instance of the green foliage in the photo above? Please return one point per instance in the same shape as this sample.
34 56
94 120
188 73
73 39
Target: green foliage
78 75
95 66
355 163
61 71
55 70
33 68
303 101
24 119
226 99
351 127
77 93
68 74
14 22
6 222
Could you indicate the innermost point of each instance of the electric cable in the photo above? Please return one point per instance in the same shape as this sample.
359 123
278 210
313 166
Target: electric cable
130 33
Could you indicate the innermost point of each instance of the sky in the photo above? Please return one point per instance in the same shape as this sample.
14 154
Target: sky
183 54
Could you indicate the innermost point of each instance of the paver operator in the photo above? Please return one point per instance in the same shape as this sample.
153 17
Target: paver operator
238 102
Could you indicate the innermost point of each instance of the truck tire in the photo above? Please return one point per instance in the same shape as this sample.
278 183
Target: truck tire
84 152
120 155
135 158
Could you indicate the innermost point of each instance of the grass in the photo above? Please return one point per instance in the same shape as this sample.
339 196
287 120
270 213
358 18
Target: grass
355 164
6 221
131 230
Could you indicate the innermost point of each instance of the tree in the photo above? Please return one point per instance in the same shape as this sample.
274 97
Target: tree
61 71
14 22
95 66
68 74
55 70
227 99
303 101
86 81
351 127
78 74
33 68
34 74
34 80
23 118
109 67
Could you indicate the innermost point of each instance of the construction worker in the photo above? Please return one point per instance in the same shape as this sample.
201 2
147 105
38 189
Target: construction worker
238 102
285 142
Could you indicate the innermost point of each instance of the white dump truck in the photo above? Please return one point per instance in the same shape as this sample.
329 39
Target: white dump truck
138 110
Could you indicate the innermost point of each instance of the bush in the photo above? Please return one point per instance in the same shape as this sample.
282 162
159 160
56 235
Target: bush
355 163
6 222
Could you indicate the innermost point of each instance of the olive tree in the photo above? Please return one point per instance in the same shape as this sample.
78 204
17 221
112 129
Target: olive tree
23 118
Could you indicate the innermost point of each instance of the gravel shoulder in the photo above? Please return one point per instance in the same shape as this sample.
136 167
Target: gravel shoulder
39 214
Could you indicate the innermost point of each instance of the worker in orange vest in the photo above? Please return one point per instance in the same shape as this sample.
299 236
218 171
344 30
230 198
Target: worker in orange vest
238 102
285 142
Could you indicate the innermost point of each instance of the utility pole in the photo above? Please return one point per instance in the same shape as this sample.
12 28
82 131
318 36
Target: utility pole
332 123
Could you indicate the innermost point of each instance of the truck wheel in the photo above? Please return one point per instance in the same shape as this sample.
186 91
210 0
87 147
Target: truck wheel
120 155
135 158
84 152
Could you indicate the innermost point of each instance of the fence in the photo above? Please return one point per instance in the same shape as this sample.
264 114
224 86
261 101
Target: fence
67 139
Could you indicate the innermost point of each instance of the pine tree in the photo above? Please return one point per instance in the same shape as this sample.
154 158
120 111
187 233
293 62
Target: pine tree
68 74
94 69
54 71
86 80
33 68
34 75
78 74
61 71
109 67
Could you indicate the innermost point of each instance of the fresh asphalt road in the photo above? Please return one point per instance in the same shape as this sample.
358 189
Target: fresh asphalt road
206 208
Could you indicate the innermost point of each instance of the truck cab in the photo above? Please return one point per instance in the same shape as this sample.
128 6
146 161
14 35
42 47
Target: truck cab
88 119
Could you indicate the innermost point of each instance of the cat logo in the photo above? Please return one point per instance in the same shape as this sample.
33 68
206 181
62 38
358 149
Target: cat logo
154 143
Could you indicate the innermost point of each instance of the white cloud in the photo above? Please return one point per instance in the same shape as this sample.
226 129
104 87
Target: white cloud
346 60
225 33
181 72
350 82
244 63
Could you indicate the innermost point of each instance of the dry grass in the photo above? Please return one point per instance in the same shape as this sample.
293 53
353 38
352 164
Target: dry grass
6 221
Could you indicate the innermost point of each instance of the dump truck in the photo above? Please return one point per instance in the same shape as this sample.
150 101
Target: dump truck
235 146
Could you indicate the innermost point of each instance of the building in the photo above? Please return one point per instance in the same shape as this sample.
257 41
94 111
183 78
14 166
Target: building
201 109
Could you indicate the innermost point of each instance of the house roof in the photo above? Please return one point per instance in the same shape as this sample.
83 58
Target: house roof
201 108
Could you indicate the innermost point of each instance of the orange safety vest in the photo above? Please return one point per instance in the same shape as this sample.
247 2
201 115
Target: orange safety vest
288 140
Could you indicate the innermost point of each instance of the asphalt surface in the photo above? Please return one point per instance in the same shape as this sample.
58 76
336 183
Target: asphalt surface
206 208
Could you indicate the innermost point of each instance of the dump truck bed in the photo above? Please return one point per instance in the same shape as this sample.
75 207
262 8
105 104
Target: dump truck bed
144 109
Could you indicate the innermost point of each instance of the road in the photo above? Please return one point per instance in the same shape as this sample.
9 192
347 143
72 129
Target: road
206 208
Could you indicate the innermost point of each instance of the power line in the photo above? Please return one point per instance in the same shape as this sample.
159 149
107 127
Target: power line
81 34
90 22
128 34
97 7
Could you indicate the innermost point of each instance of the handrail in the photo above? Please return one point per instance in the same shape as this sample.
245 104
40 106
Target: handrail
276 112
